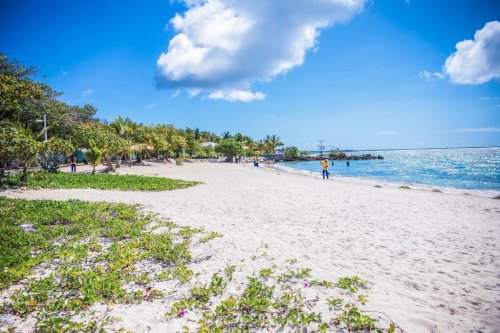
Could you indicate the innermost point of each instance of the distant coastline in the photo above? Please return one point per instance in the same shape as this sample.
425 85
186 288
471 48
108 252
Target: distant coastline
392 149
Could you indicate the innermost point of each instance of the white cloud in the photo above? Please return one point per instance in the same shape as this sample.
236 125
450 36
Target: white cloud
476 61
223 46
477 130
431 76
387 133
151 106
87 92
237 95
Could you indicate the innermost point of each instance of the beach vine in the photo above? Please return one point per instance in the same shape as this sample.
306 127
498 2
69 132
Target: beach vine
58 258
278 298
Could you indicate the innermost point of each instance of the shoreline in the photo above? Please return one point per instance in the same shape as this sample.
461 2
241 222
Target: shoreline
373 181
430 259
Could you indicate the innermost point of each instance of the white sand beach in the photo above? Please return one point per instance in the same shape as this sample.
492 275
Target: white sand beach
432 260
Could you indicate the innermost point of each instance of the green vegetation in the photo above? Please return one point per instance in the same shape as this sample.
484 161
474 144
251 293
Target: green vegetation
229 147
292 152
64 256
44 179
67 255
337 155
24 101
271 300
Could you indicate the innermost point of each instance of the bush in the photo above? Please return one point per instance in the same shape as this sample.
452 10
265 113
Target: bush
53 153
292 152
229 148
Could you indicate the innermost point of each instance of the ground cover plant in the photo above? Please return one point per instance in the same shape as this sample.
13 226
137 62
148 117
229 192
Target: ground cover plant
58 180
285 299
60 257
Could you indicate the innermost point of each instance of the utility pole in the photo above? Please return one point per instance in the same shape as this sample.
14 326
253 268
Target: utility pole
45 126
44 120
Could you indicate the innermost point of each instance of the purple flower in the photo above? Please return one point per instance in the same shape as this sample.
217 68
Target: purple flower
307 284
182 313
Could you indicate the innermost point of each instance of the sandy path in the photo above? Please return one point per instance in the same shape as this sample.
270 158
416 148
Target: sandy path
432 258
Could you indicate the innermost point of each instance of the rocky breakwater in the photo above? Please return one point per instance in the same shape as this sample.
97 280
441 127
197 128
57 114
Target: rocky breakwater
335 157
344 156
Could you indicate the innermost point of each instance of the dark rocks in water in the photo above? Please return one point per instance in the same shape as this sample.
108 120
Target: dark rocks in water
405 187
332 157
436 190
343 157
377 186
497 197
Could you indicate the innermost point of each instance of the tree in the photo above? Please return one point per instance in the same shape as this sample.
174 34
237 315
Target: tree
292 152
54 152
321 147
229 147
17 89
102 137
93 155
24 100
272 142
226 135
178 144
18 146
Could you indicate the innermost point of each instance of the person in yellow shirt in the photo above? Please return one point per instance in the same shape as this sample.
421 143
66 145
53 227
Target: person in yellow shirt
324 164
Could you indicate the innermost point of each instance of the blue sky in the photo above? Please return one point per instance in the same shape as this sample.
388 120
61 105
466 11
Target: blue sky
371 75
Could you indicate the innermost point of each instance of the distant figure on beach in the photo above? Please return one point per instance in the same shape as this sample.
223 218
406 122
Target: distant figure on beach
255 161
332 163
347 163
324 164
74 160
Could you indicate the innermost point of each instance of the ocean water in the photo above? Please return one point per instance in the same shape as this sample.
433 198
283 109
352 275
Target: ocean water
461 168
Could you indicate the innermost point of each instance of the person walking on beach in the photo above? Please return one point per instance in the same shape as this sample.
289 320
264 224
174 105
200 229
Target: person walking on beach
324 165
74 160
255 161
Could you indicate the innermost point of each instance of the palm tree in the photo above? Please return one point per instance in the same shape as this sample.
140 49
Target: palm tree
93 155
272 142
125 128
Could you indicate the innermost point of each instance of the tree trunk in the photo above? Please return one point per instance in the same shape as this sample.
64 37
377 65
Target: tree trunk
119 163
93 170
24 176
110 167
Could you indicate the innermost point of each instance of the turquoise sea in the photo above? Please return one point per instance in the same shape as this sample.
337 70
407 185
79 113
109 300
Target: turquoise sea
460 168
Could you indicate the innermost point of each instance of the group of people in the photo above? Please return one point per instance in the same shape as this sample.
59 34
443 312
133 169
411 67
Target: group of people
324 165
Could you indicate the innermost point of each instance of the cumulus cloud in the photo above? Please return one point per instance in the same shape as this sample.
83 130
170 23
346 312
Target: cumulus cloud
476 61
223 46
